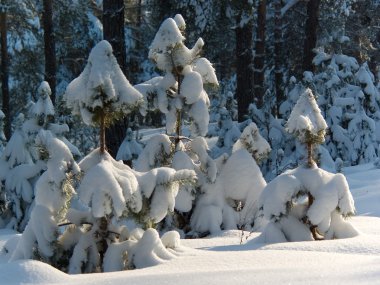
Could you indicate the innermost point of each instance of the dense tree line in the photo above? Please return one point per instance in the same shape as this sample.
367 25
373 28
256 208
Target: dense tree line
255 46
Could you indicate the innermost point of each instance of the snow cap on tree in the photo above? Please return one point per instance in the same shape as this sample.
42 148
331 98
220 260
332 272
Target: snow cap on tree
101 86
167 37
306 120
43 107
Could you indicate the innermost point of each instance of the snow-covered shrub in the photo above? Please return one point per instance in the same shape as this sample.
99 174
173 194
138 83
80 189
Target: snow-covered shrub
229 204
253 142
225 203
147 250
156 153
307 203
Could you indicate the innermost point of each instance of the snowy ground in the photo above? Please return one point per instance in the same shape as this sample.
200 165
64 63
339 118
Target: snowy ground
223 260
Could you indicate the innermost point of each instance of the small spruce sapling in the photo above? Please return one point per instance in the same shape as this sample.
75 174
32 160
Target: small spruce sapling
307 203
180 91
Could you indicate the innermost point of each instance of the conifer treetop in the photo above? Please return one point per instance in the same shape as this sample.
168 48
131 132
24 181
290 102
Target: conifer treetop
102 86
306 121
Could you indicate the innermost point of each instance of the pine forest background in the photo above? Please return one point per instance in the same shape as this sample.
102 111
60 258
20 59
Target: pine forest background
264 53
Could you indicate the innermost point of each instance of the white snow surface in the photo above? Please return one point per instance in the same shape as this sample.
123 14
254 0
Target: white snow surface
221 259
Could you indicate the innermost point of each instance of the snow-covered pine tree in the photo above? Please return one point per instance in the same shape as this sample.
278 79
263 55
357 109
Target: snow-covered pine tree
180 94
110 190
350 102
19 173
54 190
362 132
22 157
101 94
307 124
307 203
42 116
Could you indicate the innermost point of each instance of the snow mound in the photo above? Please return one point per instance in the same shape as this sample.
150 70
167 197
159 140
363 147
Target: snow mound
31 271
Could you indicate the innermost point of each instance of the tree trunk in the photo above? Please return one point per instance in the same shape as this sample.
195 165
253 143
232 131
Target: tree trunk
259 60
179 112
113 32
135 55
310 155
311 34
278 68
49 42
102 135
244 68
5 72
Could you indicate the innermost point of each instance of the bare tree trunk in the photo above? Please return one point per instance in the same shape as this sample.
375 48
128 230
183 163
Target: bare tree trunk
113 29
134 63
278 68
244 68
102 135
49 42
259 60
113 32
5 72
311 34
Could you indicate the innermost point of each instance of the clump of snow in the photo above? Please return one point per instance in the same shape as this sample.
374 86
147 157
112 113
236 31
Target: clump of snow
43 106
226 202
204 68
167 37
130 149
155 153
